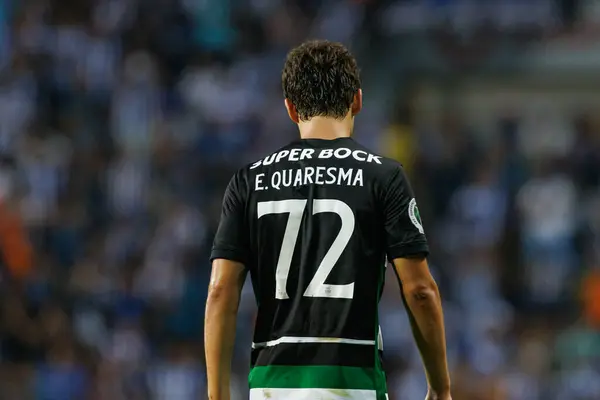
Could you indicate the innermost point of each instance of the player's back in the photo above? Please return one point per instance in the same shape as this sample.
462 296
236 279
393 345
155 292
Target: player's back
315 215
313 223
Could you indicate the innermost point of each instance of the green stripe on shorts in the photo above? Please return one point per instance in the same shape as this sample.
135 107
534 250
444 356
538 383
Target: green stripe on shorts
325 377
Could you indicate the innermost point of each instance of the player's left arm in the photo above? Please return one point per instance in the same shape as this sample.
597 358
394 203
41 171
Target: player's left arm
229 255
226 283
407 248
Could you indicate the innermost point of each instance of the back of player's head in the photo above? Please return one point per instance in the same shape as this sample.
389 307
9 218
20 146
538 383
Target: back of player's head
320 78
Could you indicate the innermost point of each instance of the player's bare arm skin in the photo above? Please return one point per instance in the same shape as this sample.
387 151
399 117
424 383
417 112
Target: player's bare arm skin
422 298
226 282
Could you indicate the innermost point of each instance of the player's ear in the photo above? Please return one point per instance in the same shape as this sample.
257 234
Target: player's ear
357 102
292 112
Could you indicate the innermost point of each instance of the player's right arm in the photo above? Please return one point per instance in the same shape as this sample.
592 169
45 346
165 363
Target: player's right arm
229 256
407 247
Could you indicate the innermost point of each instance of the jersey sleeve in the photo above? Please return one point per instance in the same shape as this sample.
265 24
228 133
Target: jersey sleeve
404 232
231 240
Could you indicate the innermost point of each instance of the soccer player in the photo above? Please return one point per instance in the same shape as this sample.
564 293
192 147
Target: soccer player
312 223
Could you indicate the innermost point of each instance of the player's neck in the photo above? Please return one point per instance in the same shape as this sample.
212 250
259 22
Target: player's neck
326 128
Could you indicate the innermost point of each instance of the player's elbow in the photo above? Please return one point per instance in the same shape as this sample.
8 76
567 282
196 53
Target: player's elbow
421 291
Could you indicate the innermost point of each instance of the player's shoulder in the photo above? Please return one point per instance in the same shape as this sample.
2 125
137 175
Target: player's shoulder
386 162
384 167
270 158
241 178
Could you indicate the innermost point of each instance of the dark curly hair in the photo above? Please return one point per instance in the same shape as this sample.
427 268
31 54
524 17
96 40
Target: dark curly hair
320 78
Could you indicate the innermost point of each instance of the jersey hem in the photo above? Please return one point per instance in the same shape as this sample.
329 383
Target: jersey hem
404 250
228 254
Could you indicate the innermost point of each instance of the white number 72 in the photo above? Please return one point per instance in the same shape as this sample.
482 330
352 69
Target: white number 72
295 208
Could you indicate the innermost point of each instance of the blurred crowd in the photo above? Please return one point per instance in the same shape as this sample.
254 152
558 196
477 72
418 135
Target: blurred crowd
121 122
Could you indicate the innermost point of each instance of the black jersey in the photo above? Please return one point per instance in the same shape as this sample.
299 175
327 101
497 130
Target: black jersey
313 223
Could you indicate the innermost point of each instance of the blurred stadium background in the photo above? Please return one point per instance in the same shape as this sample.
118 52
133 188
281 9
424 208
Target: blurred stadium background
121 122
